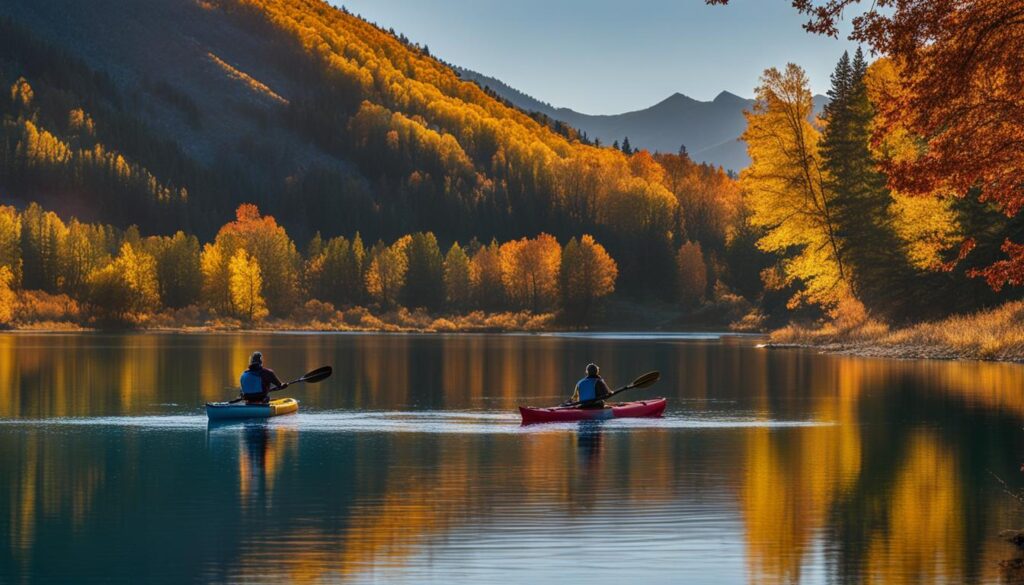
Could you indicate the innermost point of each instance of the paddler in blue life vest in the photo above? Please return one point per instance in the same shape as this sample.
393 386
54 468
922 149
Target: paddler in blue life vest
590 388
257 381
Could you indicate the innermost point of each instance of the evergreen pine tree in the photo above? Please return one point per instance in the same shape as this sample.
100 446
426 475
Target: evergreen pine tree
879 272
626 148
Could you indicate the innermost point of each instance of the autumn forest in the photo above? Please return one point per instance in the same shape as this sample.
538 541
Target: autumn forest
378 190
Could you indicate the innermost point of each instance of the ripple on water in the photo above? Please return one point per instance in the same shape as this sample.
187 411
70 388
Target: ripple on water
433 421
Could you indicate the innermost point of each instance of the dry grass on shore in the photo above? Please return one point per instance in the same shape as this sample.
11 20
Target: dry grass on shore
995 334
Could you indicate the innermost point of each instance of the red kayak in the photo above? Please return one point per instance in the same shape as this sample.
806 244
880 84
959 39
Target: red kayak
639 409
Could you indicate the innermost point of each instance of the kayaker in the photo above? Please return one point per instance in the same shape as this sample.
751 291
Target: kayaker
257 381
591 387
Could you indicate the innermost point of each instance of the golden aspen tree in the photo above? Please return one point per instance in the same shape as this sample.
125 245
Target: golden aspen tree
786 187
8 299
216 290
485 277
587 275
10 243
262 237
386 275
138 270
126 289
246 287
529 271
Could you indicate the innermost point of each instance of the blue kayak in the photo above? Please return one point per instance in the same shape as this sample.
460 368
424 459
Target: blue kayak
226 410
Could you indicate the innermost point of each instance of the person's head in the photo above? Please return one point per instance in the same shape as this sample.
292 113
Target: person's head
593 370
256 359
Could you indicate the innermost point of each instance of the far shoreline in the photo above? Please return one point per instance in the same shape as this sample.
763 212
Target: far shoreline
992 335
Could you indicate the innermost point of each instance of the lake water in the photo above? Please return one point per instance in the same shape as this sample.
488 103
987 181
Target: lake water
409 465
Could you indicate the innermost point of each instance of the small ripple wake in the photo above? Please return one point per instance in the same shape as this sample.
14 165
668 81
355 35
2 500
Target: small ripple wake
434 421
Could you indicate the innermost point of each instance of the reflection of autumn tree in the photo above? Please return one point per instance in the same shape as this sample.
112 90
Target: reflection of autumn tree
921 542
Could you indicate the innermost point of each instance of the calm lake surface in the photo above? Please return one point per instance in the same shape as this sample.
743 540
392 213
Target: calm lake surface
409 465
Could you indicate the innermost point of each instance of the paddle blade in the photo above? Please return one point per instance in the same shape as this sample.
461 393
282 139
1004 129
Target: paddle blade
646 380
317 375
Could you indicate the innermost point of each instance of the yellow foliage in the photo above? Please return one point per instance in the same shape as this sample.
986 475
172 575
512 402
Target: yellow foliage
247 80
246 286
485 275
637 206
928 225
588 273
138 269
8 299
386 274
529 271
80 121
214 269
21 93
39 147
785 186
10 242
457 276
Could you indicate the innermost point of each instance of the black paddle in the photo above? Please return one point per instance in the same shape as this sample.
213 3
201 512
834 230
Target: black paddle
313 377
642 382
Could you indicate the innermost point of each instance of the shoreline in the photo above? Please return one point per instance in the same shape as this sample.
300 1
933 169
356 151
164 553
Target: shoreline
711 332
908 352
991 335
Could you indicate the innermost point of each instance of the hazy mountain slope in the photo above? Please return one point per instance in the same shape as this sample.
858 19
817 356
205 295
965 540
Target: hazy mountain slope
198 100
709 130
230 74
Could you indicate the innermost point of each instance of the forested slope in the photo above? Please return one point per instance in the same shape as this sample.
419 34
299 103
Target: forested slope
170 113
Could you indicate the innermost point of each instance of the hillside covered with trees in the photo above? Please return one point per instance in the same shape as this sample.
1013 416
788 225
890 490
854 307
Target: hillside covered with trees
384 180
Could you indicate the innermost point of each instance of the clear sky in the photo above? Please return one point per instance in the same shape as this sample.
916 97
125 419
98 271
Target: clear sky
611 56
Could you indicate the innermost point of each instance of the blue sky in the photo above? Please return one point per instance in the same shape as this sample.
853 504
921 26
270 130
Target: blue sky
604 56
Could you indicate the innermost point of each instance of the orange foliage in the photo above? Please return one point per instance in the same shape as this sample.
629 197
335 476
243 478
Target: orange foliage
529 270
959 92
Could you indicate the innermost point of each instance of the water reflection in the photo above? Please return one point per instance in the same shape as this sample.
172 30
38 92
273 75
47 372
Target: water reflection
588 442
893 488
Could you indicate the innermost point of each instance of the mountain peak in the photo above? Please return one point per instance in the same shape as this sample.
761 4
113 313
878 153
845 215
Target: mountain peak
726 97
677 98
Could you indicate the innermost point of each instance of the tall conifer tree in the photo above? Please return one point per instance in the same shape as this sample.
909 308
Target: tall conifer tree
879 270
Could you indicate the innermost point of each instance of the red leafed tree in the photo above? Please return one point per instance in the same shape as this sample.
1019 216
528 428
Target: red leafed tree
961 91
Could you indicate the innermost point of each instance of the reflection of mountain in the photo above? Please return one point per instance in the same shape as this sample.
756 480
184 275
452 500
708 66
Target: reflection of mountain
709 130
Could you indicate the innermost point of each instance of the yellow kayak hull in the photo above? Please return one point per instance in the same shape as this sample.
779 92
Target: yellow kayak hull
224 410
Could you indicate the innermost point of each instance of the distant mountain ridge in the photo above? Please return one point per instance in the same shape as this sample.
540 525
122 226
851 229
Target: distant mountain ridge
710 131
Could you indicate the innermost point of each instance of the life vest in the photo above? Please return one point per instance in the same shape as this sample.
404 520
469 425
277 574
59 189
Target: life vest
251 382
587 388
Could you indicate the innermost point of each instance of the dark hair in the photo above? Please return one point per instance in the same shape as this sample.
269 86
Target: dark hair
592 369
